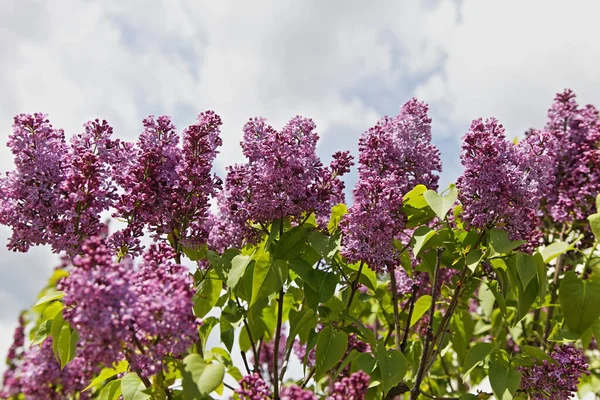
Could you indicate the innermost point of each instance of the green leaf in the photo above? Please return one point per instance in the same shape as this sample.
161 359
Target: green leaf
526 300
207 296
554 250
526 268
393 366
414 198
291 243
364 362
200 375
421 237
594 220
441 205
596 330
468 396
579 300
476 355
269 276
67 345
133 388
302 321
504 381
238 267
112 391
473 259
538 354
493 286
422 304
501 243
57 324
107 373
42 333
47 298
337 213
331 347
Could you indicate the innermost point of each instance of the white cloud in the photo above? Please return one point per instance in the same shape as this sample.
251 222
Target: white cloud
508 59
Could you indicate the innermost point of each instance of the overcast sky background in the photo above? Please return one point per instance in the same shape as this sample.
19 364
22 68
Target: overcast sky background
343 63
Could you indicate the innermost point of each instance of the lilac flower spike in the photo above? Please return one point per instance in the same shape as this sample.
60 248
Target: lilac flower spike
577 167
395 156
503 184
555 380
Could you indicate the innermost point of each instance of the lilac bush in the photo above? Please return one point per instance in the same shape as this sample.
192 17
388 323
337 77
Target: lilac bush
266 285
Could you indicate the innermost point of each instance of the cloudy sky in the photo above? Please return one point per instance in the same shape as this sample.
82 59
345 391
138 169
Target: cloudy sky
343 63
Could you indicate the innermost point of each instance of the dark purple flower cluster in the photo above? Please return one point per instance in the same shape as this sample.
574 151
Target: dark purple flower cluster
120 312
353 387
555 380
503 184
295 392
283 177
395 156
167 188
300 352
252 387
577 167
10 378
39 376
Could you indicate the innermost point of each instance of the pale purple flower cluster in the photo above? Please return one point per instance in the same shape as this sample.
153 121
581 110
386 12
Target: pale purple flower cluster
395 156
577 130
56 193
295 392
555 380
39 376
353 387
141 314
300 352
167 188
252 387
503 184
10 378
31 203
283 177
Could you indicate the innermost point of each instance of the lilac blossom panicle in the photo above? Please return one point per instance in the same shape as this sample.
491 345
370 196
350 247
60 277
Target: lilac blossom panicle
395 156
39 376
295 392
164 309
100 302
353 387
10 379
120 312
89 188
30 200
150 182
577 163
252 387
547 380
283 177
503 183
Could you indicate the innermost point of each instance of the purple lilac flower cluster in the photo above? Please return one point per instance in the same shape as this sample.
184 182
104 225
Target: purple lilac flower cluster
168 188
353 387
558 380
55 194
39 376
503 184
295 392
283 177
10 377
577 166
252 387
120 312
395 156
